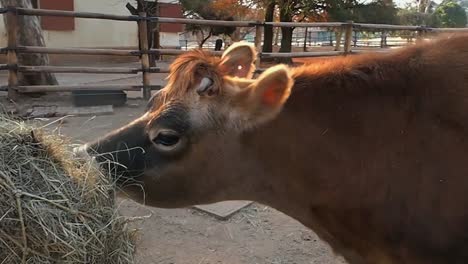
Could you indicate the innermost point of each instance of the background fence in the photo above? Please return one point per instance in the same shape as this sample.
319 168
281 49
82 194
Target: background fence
346 40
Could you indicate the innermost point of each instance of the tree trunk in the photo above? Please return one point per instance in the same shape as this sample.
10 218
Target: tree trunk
237 35
277 30
286 34
30 34
286 39
205 39
268 29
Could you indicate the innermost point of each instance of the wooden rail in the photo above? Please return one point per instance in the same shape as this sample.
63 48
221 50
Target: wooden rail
91 51
60 13
448 30
98 70
77 51
81 87
300 54
386 27
178 52
310 24
344 28
204 22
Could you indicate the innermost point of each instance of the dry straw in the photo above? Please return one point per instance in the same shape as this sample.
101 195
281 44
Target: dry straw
54 207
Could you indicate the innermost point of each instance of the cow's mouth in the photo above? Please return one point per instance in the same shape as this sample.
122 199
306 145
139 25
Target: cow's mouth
121 173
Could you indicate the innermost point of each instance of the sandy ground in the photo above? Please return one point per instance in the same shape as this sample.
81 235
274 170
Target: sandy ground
257 234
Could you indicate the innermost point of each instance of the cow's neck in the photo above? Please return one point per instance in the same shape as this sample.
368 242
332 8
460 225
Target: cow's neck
302 163
314 153
305 151
333 121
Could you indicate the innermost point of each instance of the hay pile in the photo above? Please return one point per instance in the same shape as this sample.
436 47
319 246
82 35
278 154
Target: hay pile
53 207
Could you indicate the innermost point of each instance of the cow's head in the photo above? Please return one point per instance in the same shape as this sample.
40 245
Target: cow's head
187 148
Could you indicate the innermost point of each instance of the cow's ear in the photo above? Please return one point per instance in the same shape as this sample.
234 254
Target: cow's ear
264 98
238 60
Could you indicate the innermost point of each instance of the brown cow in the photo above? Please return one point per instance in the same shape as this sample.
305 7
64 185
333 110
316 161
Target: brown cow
369 151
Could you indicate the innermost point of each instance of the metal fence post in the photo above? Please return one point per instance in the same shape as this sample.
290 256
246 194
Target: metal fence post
145 64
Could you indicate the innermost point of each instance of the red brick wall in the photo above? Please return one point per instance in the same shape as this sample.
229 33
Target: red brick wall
57 23
171 10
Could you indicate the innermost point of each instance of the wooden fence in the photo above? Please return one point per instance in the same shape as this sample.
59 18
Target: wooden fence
143 52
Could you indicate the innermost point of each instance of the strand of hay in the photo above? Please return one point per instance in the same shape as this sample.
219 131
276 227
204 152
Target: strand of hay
54 207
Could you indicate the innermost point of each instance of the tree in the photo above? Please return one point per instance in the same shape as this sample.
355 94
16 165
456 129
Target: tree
229 10
295 10
450 14
30 34
268 29
414 18
239 10
286 15
201 9
377 12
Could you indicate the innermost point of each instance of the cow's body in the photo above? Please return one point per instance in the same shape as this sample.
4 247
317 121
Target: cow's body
370 152
376 153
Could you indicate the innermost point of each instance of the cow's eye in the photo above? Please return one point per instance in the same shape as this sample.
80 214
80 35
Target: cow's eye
166 139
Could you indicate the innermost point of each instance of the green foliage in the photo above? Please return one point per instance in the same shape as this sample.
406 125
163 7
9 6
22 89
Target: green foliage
201 9
413 17
341 10
450 14
378 12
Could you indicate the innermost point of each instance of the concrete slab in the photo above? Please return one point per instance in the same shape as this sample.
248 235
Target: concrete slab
223 210
58 111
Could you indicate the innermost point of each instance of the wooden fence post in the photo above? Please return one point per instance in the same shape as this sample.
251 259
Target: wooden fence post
145 64
338 36
421 34
258 43
12 29
304 48
348 37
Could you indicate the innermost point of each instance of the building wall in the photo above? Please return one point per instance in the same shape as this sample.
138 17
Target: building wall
169 40
97 32
170 10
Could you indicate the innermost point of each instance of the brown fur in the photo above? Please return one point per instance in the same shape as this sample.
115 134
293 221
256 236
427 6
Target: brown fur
186 70
369 151
387 137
